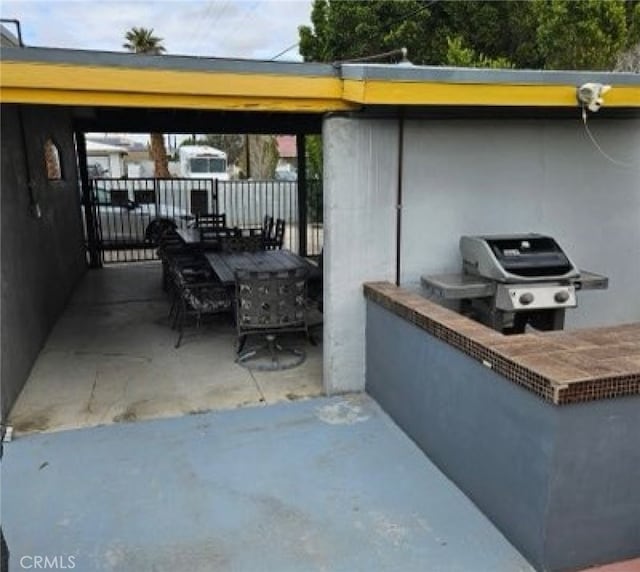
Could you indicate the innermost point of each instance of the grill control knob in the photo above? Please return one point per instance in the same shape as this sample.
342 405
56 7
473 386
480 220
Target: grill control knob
561 296
526 298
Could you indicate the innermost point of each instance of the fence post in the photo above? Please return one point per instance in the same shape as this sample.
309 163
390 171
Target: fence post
216 210
301 149
90 223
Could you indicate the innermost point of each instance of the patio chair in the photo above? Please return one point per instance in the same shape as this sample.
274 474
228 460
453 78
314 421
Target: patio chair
315 283
183 270
276 238
267 226
198 298
212 238
170 248
269 304
251 243
211 220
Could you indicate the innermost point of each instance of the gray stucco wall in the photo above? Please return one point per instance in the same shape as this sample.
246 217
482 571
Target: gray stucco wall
559 482
465 177
482 177
41 258
594 492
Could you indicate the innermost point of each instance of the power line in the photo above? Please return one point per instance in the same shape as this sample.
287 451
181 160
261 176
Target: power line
376 57
416 11
285 51
393 23
249 14
202 28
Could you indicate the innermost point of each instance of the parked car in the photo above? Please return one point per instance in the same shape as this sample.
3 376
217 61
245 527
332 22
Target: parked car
96 170
125 222
285 174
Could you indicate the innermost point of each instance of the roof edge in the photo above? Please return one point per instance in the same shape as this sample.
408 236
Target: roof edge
170 62
411 73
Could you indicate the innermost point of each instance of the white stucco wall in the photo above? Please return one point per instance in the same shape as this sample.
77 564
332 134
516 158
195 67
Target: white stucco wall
473 177
360 170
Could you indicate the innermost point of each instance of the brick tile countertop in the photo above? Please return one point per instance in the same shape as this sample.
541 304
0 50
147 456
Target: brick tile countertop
565 366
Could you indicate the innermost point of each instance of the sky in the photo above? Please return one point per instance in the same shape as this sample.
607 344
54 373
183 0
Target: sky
254 29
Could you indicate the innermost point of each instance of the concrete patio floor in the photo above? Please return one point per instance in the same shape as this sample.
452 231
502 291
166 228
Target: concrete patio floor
111 358
327 484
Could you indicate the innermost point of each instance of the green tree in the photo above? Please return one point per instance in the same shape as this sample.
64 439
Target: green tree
629 61
314 156
231 144
461 56
536 34
346 30
263 156
314 177
142 41
581 35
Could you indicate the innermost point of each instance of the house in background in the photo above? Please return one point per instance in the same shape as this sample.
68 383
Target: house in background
287 167
138 163
111 159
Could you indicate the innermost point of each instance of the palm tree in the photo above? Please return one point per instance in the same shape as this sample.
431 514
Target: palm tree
142 41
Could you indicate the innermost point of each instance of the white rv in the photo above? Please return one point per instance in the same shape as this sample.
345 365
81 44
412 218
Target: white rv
202 162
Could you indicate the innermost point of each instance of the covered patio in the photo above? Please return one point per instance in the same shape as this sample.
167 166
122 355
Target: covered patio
413 158
111 358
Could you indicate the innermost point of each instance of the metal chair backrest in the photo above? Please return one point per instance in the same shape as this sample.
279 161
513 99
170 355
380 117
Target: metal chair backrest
211 220
279 232
267 226
169 241
271 301
213 238
276 239
251 243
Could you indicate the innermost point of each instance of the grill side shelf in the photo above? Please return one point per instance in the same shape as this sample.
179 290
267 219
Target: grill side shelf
591 281
458 286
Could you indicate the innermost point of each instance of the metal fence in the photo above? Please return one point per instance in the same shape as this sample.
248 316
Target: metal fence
129 214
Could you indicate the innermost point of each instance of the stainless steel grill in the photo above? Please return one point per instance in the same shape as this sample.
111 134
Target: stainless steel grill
511 281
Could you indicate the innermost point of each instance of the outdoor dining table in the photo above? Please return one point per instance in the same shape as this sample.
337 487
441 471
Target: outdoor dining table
225 265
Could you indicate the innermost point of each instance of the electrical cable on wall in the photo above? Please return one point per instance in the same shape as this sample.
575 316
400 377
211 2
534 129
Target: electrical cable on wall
591 98
599 147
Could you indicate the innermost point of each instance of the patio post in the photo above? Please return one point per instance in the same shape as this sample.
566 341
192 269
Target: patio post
92 238
301 152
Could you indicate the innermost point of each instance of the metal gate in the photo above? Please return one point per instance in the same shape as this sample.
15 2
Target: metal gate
130 214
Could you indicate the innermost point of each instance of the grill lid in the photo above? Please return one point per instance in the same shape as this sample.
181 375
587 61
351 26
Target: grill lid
516 258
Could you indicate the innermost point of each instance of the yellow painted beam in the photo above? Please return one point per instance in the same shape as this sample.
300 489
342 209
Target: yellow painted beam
168 101
126 86
379 92
74 84
354 90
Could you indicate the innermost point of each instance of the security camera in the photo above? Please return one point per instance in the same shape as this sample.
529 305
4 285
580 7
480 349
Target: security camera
591 95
